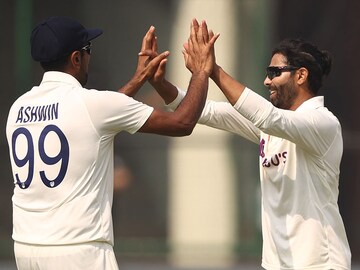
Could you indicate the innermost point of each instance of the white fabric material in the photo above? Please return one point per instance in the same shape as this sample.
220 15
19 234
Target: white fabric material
94 255
221 115
300 154
77 207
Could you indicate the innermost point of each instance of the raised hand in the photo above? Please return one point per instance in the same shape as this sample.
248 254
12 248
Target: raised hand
199 50
148 63
149 60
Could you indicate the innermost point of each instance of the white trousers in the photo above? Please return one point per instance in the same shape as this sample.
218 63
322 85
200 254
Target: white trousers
89 256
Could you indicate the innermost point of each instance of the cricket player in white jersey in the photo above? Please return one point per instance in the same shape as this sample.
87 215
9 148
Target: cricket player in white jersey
300 152
60 139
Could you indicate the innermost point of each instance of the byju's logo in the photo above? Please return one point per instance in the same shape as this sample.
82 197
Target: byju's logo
275 160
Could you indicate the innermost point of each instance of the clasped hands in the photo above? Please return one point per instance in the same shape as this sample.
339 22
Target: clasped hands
198 53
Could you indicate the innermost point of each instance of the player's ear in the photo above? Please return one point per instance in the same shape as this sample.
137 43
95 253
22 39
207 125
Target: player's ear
302 75
75 59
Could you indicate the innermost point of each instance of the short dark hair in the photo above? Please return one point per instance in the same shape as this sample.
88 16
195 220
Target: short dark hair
300 53
57 65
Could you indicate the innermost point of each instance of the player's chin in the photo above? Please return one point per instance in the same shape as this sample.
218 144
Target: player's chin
273 98
275 101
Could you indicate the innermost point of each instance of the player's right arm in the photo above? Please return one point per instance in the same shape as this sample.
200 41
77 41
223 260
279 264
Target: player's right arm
182 121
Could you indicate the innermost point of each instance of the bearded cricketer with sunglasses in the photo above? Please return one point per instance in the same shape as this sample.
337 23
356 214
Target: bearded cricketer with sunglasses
300 152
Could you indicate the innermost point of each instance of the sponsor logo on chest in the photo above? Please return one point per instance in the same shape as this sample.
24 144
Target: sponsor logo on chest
274 159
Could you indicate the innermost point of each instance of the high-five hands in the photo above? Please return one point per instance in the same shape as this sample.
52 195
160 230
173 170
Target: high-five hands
148 63
149 60
199 50
148 52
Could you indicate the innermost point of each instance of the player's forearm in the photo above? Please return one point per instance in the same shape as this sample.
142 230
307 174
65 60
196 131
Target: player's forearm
133 86
182 121
166 90
189 110
231 88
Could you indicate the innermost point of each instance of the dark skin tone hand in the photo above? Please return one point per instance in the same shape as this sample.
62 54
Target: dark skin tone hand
200 61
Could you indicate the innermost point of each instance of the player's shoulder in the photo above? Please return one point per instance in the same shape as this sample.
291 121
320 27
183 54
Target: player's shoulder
20 100
326 114
103 94
105 99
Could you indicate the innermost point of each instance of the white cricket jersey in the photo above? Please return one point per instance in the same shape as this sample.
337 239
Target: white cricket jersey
300 154
60 139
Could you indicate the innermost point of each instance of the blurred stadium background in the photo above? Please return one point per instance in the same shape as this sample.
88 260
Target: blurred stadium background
190 202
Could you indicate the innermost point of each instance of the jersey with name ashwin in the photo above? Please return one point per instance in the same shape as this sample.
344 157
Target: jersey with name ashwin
60 139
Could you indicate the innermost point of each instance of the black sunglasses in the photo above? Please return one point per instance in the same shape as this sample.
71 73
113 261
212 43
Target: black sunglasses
274 71
87 48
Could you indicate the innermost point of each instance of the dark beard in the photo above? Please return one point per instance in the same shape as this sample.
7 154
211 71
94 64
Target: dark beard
285 96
